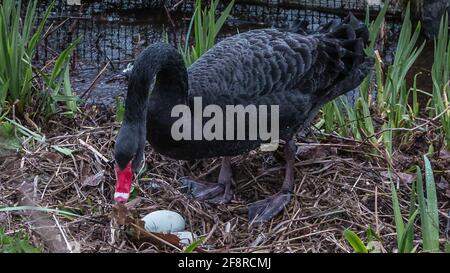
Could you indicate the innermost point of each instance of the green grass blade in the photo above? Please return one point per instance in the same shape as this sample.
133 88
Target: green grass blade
38 34
27 132
67 91
375 27
120 109
223 17
354 240
194 245
61 62
62 150
21 208
399 224
406 241
431 209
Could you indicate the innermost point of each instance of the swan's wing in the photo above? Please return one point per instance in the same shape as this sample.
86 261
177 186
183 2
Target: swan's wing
254 64
265 63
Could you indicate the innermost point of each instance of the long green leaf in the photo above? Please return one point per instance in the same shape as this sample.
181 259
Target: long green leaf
194 245
205 29
67 91
27 132
356 243
222 18
399 224
406 241
375 27
432 211
38 34
21 208
62 150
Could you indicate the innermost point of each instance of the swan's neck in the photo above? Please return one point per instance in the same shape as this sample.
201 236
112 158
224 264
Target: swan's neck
162 64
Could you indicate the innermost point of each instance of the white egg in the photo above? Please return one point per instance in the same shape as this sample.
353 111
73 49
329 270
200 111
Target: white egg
186 237
164 221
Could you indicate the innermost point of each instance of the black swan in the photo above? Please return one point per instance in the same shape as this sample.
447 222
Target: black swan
299 72
430 12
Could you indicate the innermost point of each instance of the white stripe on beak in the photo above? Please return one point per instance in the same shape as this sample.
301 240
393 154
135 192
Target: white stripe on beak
121 196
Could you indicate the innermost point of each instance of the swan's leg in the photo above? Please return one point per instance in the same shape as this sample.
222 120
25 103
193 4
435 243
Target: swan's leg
217 193
264 210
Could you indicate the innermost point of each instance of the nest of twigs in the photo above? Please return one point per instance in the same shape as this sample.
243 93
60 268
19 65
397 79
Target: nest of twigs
340 184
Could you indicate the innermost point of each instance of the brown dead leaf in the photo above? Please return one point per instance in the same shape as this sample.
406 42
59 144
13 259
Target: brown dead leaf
315 151
140 234
133 203
93 180
119 214
41 223
136 230
443 184
444 154
52 157
399 177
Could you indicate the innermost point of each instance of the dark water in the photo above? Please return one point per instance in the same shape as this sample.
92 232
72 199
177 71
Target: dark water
112 36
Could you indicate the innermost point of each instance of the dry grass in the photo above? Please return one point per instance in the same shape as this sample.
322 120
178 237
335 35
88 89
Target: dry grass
339 185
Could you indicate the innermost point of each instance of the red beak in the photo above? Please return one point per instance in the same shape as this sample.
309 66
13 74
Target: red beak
123 186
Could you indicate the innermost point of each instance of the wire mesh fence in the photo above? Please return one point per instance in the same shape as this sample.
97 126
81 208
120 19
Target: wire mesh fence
113 32
108 28
186 5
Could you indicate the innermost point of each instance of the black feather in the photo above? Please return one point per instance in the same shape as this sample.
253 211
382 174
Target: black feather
299 71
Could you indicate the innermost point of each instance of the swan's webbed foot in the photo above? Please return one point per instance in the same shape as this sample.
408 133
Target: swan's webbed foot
216 193
265 210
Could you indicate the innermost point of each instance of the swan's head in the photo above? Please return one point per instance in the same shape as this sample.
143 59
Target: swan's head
128 154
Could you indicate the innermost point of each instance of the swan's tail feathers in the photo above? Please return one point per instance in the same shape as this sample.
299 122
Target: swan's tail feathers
346 40
342 48
349 29
300 27
349 81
